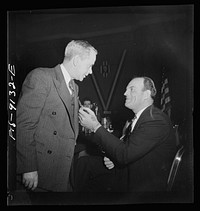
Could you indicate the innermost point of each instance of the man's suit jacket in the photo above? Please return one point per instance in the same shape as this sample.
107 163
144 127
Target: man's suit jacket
47 128
147 154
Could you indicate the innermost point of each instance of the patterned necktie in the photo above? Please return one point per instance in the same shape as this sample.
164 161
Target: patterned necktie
71 86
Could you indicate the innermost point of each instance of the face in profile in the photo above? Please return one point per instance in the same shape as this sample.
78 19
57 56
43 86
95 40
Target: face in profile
84 66
134 94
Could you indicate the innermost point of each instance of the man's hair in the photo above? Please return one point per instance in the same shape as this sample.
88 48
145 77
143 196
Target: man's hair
86 99
149 85
78 47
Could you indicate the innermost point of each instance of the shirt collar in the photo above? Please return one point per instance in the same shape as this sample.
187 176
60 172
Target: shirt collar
67 77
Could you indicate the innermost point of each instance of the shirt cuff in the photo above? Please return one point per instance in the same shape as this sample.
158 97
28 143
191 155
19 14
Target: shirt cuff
97 127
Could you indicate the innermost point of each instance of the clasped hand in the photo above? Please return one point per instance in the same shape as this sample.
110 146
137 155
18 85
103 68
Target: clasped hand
30 180
88 118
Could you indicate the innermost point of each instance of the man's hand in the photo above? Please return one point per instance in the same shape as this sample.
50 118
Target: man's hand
30 180
108 163
88 119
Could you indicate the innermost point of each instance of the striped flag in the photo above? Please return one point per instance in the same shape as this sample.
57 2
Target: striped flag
165 96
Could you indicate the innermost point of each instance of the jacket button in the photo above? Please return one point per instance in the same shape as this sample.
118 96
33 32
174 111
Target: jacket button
53 113
49 151
55 132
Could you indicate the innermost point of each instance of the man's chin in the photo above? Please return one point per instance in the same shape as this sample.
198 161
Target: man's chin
83 78
127 104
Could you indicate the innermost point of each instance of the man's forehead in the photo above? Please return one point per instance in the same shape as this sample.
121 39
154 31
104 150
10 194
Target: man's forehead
91 59
87 101
93 55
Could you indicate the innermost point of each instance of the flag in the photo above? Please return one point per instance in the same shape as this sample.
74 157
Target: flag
165 96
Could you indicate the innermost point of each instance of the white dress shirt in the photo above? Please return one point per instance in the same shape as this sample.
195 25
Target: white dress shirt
67 77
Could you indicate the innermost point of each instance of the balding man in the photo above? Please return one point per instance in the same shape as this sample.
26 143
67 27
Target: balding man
146 153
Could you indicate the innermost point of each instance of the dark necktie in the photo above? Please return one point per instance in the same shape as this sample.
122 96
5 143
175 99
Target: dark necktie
128 130
71 86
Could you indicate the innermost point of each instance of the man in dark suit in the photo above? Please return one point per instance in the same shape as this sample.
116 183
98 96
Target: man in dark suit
47 119
147 153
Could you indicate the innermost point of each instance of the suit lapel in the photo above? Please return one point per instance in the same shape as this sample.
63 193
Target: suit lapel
63 92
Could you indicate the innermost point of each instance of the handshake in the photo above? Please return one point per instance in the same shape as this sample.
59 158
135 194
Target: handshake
88 119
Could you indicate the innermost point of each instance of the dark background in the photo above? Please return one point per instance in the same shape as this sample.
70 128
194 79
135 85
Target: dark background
156 39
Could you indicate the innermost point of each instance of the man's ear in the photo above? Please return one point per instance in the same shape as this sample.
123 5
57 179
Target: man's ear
76 60
147 93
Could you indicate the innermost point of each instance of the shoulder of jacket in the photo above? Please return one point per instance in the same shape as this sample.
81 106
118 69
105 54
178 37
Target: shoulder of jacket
152 113
41 72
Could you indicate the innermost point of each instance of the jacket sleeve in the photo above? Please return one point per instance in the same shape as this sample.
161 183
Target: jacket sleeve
29 107
149 134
